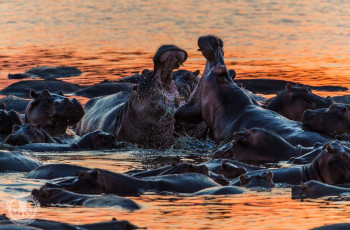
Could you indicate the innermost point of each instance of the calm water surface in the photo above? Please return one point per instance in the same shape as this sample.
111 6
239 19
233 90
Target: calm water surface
302 41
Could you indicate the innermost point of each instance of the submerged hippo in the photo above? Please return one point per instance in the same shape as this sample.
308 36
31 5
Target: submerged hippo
226 109
15 103
316 189
146 116
259 146
57 196
331 166
16 162
294 100
332 121
53 171
23 88
27 134
6 223
104 88
54 112
222 190
96 140
7 120
262 180
99 181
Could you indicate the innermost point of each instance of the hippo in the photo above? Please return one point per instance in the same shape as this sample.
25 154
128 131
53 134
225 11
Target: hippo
331 166
6 223
7 120
226 109
16 162
97 140
315 189
50 72
225 168
23 88
294 100
308 157
27 134
54 112
222 190
186 168
259 146
104 88
263 180
185 82
99 181
146 116
344 99
272 86
341 226
15 103
134 79
18 76
331 121
57 196
53 171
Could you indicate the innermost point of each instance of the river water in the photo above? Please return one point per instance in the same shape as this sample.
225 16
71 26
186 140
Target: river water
301 41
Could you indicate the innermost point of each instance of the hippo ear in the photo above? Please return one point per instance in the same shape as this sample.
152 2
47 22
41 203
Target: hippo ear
134 88
95 173
328 148
190 167
289 87
232 74
197 72
223 164
145 71
60 93
247 132
33 94
345 110
269 176
243 180
38 126
15 128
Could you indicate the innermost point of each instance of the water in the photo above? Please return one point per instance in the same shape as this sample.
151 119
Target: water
302 41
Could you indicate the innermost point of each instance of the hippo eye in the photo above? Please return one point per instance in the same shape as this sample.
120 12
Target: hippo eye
344 156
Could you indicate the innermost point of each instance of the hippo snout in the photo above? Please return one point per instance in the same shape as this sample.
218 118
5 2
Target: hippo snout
297 192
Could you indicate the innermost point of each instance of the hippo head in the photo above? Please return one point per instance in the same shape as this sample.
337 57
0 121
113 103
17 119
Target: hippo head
210 91
150 115
331 165
54 112
185 82
231 171
8 119
332 121
47 196
97 140
310 189
26 134
294 100
255 145
263 180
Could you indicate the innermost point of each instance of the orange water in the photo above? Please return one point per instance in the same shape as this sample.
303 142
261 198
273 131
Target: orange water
302 41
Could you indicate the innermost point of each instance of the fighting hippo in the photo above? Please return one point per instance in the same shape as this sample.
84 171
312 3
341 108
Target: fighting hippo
259 146
7 120
23 88
54 112
99 181
104 88
226 109
262 180
57 196
332 121
331 166
316 189
27 134
16 162
146 116
294 100
185 82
